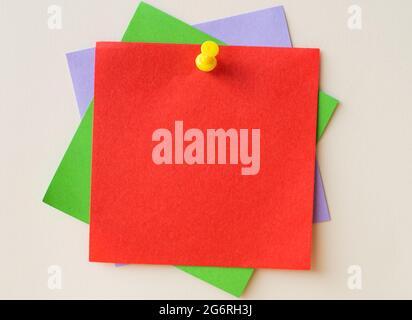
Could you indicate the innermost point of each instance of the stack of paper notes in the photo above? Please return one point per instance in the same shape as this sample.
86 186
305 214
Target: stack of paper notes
214 172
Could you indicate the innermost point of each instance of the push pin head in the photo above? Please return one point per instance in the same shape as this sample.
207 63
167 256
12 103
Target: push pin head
206 61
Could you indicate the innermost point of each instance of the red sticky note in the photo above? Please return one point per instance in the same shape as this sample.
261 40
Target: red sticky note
203 169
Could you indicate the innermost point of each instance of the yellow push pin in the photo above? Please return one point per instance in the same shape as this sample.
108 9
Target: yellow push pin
206 61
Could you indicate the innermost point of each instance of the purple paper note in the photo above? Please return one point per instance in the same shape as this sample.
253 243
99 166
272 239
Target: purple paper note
320 205
266 27
81 65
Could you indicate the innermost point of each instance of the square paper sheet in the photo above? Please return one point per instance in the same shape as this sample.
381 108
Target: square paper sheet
203 214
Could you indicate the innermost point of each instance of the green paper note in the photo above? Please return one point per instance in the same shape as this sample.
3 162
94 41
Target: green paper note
231 280
327 106
69 190
152 25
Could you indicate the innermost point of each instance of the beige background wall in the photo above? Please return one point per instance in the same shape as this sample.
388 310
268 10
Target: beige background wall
365 156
